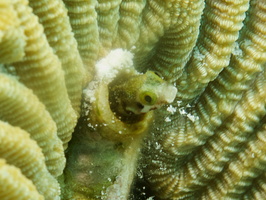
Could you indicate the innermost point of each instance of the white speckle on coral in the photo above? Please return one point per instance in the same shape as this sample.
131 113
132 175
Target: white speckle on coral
157 145
90 125
179 103
188 106
133 48
171 109
182 111
237 51
198 55
167 119
89 91
192 117
140 174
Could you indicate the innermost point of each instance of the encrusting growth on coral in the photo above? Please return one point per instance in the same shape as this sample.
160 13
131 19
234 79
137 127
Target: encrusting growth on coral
97 70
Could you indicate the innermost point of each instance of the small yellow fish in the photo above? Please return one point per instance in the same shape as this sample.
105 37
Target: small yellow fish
132 96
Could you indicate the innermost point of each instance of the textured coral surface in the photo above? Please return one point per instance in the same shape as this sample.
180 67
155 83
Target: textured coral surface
210 143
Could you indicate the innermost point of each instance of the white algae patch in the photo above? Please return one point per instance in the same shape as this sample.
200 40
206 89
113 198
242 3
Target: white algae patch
108 67
106 70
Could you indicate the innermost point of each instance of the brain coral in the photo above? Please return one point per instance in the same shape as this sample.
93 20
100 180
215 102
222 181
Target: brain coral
71 129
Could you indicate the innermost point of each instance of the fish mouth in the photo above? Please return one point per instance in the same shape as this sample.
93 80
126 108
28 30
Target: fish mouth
141 109
166 94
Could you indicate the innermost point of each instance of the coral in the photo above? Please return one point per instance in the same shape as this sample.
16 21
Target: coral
53 17
186 156
72 128
21 108
27 156
12 38
14 185
46 73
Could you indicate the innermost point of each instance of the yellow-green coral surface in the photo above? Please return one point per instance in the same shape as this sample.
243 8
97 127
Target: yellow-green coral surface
207 144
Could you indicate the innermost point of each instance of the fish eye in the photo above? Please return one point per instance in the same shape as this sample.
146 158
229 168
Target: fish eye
148 98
